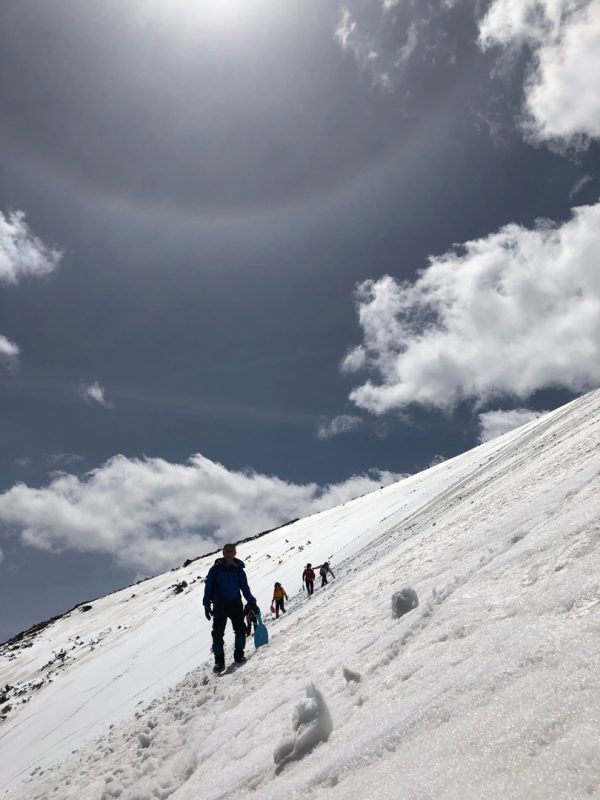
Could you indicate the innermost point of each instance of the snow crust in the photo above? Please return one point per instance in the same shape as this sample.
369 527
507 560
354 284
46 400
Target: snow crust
489 688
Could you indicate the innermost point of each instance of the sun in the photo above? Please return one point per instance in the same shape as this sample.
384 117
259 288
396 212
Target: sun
186 15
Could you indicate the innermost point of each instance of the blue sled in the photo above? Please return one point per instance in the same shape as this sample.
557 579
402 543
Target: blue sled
261 634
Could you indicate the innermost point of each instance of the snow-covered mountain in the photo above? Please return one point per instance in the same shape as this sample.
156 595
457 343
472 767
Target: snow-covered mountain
490 688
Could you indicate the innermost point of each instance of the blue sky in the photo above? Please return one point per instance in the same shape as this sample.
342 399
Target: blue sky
258 258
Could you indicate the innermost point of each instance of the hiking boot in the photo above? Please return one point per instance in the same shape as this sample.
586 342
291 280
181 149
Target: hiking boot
219 666
239 658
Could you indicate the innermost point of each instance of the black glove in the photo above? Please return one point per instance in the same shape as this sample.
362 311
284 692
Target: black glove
207 612
255 609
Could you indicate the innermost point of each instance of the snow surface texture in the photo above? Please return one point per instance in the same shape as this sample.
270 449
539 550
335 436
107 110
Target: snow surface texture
490 688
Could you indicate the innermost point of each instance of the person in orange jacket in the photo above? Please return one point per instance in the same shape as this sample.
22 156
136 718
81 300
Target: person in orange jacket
279 594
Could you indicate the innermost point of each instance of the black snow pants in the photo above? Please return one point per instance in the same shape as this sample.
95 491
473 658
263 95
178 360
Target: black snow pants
279 606
222 611
310 585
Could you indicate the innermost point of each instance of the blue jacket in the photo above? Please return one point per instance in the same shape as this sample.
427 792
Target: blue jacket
224 583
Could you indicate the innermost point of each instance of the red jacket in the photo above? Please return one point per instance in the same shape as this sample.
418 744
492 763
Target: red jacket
308 575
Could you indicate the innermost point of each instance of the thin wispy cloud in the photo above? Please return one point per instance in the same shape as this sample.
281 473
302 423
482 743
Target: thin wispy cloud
151 514
94 393
495 423
380 39
508 314
344 423
579 185
561 104
21 252
64 460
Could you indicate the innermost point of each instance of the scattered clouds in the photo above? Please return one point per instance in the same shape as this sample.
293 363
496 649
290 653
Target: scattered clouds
507 314
362 46
561 98
382 38
22 253
328 428
94 393
151 514
495 423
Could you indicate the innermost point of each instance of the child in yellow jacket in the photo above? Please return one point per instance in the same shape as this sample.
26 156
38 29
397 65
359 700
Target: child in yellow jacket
279 594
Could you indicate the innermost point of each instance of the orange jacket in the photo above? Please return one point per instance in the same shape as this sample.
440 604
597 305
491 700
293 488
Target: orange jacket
279 593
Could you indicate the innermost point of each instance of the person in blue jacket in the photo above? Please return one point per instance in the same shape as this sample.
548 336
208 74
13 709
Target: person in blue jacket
224 582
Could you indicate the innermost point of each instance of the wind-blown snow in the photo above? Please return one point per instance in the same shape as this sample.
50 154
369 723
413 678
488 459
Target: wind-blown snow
490 688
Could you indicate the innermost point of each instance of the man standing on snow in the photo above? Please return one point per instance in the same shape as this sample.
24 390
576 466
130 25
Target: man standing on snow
225 579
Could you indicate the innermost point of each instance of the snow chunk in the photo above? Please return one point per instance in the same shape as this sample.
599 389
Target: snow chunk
403 602
350 675
312 724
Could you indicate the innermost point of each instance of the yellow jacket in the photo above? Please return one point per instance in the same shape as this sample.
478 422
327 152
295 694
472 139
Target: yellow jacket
279 592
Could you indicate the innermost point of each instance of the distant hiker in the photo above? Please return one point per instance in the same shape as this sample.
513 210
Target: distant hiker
225 579
251 620
324 571
279 594
308 576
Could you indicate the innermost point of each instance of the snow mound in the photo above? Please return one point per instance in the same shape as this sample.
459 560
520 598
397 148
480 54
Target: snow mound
312 724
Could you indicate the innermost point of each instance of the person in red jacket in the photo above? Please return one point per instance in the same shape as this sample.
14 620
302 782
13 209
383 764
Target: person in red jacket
308 577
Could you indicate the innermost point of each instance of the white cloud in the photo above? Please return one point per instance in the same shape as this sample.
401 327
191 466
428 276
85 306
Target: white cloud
437 459
495 423
94 393
22 253
341 424
9 353
345 29
562 101
152 514
508 314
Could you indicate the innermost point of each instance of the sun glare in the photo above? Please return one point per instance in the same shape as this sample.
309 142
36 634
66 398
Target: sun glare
186 14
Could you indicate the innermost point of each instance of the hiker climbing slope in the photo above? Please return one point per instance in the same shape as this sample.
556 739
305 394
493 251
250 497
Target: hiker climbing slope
279 594
224 582
308 578
325 570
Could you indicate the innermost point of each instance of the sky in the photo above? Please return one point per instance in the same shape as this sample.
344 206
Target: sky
259 258
487 686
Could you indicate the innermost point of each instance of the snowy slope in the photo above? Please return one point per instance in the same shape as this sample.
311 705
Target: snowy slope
489 689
